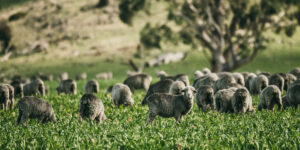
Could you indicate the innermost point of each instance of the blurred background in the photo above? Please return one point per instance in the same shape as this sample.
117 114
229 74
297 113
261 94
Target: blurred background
127 36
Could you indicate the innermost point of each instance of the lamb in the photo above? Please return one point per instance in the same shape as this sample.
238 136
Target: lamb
176 87
167 105
92 108
198 74
33 107
121 95
205 98
239 78
4 97
224 82
91 86
35 87
206 71
241 101
222 100
293 95
277 80
209 79
258 83
162 86
68 86
139 81
295 72
248 80
18 86
63 76
270 96
81 76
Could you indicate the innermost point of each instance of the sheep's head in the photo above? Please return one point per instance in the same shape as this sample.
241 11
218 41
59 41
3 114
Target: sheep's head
189 92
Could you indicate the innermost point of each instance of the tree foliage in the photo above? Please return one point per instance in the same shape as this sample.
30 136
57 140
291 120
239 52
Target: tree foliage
232 31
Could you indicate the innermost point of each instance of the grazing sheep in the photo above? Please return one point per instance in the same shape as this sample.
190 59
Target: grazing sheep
161 74
104 76
162 86
179 77
121 95
198 74
35 87
258 83
91 86
176 88
290 78
239 78
241 101
11 95
167 105
277 80
139 81
224 82
4 97
208 79
295 72
270 96
33 107
205 98
46 77
81 76
68 86
18 86
248 80
293 95
223 100
92 108
206 71
63 76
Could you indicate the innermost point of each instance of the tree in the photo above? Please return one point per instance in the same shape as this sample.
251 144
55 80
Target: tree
232 31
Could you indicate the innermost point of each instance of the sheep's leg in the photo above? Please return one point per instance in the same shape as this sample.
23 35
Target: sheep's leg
98 119
177 116
45 120
19 117
279 104
80 118
24 118
2 106
295 106
6 105
260 107
12 104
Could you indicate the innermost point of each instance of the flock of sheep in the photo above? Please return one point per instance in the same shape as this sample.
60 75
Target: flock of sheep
172 96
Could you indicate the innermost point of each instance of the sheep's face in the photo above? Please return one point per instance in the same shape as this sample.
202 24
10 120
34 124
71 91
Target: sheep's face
189 92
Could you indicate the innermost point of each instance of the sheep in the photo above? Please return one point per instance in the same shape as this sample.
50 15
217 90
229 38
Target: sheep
208 79
18 87
46 77
206 71
222 100
139 81
4 97
258 83
92 108
277 80
267 74
167 105
241 101
11 95
239 78
205 98
63 76
250 76
224 82
33 107
285 102
161 73
270 96
68 86
162 86
104 76
176 87
81 76
35 87
121 95
91 86
179 77
293 96
288 79
198 74
295 72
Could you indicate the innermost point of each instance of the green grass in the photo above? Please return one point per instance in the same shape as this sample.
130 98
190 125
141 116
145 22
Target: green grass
126 128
